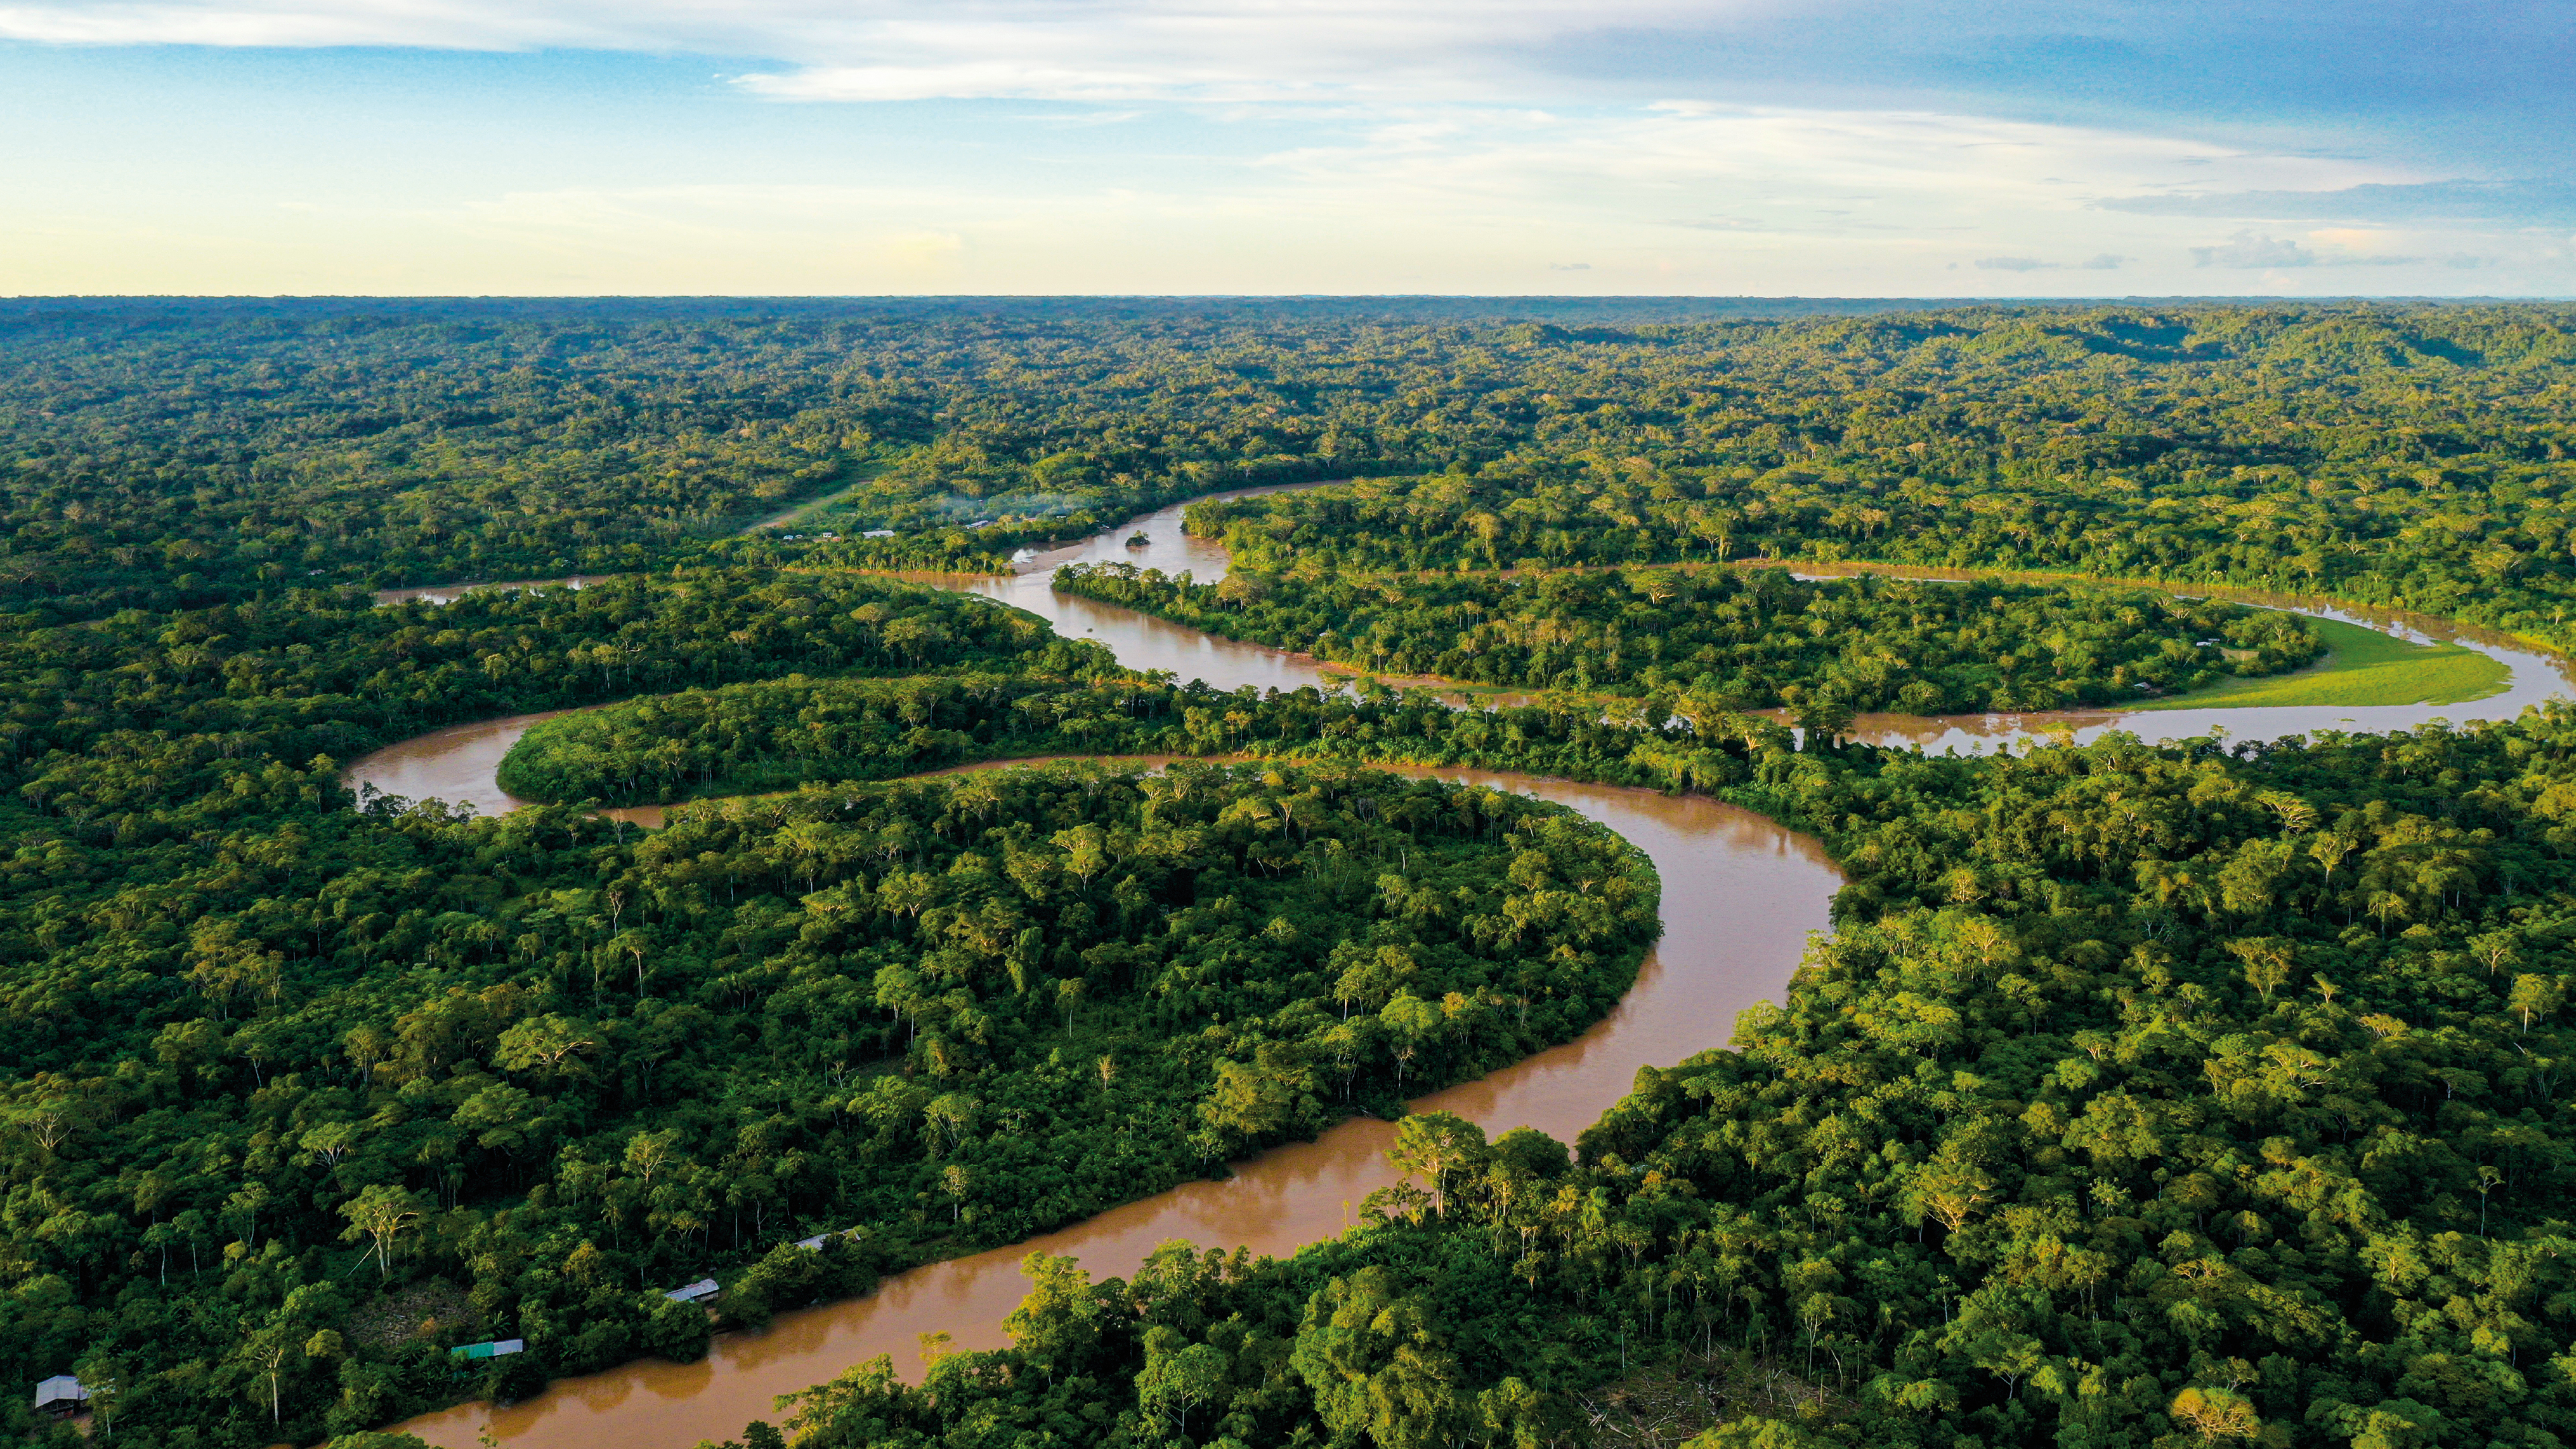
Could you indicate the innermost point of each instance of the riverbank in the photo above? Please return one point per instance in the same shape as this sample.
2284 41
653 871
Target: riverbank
1741 895
2362 668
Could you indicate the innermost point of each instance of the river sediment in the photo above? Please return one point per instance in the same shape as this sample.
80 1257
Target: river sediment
1741 896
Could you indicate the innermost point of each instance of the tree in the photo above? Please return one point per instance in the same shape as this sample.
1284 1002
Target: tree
1950 1187
380 1214
330 1141
1435 1146
289 1335
1410 1021
1057 1325
1375 1366
551 1045
503 1117
2267 963
1086 851
2215 1414
2494 950
108 1378
648 1153
1753 1431
2537 996
1178 1377
1262 1097
950 1116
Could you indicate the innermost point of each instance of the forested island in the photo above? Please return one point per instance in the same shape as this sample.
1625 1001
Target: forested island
1716 641
2200 1093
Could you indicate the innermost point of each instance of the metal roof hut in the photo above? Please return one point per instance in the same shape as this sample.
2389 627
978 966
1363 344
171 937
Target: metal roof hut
61 1396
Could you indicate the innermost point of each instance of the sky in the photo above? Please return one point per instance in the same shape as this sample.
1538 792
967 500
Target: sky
1931 148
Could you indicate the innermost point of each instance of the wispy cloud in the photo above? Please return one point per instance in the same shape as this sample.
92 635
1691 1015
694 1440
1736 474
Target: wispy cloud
2098 262
921 49
1854 146
2506 203
2248 251
2182 58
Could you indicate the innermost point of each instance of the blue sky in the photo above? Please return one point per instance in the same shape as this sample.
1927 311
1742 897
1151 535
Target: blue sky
1830 147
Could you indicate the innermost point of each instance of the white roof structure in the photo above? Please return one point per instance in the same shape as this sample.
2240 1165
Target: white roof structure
60 1389
703 1288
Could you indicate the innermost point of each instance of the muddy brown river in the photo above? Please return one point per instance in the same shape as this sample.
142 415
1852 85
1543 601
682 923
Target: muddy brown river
1740 897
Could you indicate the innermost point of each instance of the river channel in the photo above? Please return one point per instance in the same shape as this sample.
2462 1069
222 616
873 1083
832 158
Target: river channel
1740 897
456 764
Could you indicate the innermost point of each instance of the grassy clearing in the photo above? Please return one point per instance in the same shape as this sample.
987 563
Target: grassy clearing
843 482
2361 667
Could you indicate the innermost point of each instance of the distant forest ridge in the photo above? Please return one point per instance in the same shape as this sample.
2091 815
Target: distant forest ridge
179 453
1396 307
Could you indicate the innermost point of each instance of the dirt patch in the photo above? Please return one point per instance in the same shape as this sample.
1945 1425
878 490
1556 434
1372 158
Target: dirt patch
436 1310
1668 1405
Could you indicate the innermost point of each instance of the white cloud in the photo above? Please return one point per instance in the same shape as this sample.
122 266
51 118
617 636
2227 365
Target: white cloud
1690 195
2248 251
1456 198
914 49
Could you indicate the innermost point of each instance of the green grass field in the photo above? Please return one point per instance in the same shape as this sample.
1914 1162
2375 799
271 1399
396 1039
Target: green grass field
2362 666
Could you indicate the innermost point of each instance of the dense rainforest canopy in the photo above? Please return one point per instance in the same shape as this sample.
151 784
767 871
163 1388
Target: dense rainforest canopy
1720 640
288 1079
2155 1096
2145 1097
159 454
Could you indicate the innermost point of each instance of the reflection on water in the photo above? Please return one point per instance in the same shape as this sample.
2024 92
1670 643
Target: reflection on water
1740 896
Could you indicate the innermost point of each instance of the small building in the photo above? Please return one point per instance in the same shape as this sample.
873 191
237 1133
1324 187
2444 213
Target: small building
697 1292
497 1348
61 1396
878 533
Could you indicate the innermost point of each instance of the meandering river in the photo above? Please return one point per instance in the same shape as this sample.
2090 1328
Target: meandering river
1740 897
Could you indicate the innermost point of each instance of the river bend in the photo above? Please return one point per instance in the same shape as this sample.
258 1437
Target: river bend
1741 895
